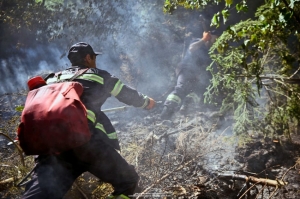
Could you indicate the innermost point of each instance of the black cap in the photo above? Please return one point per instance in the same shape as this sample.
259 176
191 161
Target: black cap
217 31
79 51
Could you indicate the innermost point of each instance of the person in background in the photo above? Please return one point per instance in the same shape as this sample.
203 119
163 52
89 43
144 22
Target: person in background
192 77
54 174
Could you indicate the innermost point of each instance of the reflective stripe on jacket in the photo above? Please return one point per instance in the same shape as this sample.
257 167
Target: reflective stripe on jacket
98 86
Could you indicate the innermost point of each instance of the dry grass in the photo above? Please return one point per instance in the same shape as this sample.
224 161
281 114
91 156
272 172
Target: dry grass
164 163
161 164
12 171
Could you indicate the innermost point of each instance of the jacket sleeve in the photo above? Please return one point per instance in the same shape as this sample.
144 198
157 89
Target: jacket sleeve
196 45
125 93
131 96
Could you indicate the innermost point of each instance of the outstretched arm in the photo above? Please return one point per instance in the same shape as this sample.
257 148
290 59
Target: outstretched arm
196 45
131 96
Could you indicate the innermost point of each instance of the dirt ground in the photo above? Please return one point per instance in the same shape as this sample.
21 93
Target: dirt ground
192 156
197 156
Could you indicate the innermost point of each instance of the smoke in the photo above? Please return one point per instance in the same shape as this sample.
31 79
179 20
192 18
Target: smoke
152 42
16 70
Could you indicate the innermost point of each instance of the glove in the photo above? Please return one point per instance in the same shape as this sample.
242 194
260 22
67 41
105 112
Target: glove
206 36
151 104
166 113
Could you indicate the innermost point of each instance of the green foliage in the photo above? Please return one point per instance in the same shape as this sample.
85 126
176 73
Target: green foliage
20 17
241 7
171 5
253 60
245 54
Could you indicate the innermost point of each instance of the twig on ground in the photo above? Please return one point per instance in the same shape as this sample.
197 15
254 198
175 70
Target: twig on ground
247 191
166 134
6 184
20 151
6 181
288 170
80 190
21 183
271 195
168 174
261 191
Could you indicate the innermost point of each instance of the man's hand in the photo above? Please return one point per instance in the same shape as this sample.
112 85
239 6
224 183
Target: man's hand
206 36
151 104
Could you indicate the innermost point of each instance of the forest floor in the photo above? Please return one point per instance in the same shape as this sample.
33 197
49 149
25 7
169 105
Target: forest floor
192 156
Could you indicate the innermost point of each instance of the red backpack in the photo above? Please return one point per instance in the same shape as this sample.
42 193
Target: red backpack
54 119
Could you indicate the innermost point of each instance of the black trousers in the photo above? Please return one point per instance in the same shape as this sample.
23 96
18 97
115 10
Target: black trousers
188 81
54 175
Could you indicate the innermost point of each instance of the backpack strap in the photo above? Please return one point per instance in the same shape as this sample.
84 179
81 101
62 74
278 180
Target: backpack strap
78 73
58 74
46 76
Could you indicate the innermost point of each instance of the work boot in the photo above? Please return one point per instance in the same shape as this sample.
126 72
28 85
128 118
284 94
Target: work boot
187 106
166 113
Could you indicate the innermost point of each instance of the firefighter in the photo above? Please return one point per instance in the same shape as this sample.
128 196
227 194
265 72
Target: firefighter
54 174
192 77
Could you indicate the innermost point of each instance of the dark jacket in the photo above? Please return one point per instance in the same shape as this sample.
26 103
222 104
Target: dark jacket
98 86
195 62
192 76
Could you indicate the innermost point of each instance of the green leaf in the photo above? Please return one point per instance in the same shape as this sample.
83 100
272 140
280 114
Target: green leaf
229 2
19 108
241 7
215 21
253 37
225 14
292 3
246 42
245 8
238 7
232 30
262 17
281 18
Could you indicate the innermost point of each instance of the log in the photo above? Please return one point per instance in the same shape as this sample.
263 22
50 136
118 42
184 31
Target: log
262 181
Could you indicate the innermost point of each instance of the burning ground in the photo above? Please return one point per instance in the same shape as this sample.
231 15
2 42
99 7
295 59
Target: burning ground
193 156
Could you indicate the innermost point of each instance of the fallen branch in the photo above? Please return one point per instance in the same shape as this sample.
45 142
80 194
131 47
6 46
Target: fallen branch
282 79
184 127
21 183
123 108
6 181
252 179
20 151
256 181
152 136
